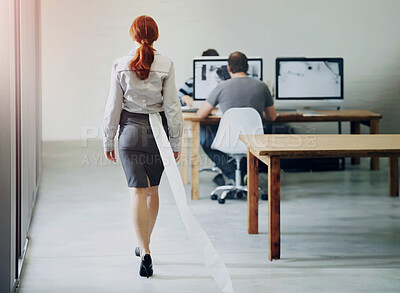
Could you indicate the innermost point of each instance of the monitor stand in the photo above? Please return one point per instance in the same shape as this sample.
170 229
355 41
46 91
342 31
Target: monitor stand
306 110
313 110
307 105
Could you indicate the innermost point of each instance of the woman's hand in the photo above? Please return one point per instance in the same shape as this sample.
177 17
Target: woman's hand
111 156
188 100
177 155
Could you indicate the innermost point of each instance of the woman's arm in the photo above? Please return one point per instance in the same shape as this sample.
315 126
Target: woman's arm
173 111
112 113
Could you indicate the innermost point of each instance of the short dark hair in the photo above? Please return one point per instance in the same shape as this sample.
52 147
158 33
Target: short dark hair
237 61
210 52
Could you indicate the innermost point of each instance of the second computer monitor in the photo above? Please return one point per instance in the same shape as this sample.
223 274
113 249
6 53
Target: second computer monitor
308 83
208 72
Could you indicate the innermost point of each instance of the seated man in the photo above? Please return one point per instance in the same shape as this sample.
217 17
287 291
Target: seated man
185 93
239 91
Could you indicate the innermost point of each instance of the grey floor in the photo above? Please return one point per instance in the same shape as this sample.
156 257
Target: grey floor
340 233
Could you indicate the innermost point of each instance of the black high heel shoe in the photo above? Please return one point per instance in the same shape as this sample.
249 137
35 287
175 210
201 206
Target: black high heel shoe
146 266
137 251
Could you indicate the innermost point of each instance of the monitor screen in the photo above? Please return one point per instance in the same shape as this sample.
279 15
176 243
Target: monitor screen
309 78
208 72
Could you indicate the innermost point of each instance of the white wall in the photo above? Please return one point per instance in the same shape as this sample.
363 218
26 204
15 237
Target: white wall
81 38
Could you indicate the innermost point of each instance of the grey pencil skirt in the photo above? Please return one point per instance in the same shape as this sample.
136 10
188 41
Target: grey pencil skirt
138 151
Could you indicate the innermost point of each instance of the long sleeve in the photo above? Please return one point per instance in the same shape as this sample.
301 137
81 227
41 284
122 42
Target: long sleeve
180 95
186 89
173 111
112 111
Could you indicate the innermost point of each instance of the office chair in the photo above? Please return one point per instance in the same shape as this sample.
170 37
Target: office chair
235 122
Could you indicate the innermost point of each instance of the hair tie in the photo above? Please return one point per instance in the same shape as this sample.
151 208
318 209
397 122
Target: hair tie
145 42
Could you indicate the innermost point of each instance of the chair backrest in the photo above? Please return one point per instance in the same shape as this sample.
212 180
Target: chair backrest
235 122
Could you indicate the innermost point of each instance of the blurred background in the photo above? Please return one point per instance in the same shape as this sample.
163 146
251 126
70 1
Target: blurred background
56 58
81 39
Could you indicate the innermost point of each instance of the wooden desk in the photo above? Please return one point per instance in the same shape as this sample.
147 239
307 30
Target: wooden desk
271 148
355 117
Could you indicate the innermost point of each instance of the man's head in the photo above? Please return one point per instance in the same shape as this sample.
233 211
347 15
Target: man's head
237 62
210 52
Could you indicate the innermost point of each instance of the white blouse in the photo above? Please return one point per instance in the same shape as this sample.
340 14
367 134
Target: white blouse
155 94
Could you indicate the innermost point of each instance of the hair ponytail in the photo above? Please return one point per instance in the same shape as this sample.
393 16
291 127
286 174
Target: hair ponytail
144 30
142 61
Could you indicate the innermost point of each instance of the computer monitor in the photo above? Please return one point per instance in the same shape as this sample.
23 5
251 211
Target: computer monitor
308 83
208 72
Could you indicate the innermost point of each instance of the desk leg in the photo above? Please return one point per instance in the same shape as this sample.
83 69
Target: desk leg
355 129
252 193
274 197
195 152
393 176
374 129
185 154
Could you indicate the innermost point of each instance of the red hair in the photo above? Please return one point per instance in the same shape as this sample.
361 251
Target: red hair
144 30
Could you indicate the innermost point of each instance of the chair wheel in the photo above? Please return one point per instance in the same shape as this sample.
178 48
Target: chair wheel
240 194
264 196
214 196
221 200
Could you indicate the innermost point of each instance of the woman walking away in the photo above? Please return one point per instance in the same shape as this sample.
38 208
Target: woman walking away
142 82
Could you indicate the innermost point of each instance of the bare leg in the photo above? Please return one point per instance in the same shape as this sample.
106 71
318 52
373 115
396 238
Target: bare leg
144 206
140 217
152 205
